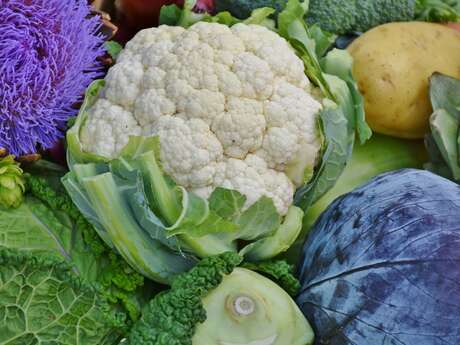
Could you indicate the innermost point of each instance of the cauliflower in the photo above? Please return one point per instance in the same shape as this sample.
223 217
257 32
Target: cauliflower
232 107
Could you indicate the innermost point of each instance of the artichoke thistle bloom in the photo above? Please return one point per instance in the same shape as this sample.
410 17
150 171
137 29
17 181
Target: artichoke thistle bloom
12 185
48 56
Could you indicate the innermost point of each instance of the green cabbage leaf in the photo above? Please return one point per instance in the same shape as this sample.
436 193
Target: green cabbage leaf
59 283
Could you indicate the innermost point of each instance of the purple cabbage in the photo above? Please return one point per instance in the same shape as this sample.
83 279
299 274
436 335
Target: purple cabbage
382 264
48 56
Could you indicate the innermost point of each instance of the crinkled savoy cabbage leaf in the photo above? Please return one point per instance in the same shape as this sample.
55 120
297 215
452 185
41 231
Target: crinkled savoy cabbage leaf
38 229
41 302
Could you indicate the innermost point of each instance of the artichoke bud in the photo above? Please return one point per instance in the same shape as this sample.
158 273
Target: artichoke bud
12 185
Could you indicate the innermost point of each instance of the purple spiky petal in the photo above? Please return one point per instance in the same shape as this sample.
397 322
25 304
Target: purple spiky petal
48 56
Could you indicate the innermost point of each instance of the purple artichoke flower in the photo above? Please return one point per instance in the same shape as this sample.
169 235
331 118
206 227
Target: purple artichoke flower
48 56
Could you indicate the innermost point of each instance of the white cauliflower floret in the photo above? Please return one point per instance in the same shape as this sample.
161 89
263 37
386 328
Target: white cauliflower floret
108 129
241 128
205 105
280 146
231 105
194 147
239 133
145 38
256 76
152 105
124 83
254 179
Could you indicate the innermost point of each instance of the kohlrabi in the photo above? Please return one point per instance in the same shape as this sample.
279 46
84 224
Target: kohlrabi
218 303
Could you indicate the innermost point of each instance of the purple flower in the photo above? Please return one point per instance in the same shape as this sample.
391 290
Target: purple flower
48 56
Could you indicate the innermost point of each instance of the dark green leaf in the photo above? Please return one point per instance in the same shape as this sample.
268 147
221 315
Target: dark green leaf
113 48
170 15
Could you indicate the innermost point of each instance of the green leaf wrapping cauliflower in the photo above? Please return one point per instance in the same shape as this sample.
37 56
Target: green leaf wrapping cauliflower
232 107
202 138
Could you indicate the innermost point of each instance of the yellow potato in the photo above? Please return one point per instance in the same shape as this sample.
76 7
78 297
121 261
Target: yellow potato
393 64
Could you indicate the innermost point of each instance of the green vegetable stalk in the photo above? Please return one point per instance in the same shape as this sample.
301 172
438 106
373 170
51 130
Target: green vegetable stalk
11 183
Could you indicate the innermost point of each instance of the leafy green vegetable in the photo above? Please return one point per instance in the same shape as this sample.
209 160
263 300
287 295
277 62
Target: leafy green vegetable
437 10
60 284
83 248
109 195
343 112
280 272
43 302
338 147
323 40
292 27
227 203
444 129
443 143
268 247
35 227
339 63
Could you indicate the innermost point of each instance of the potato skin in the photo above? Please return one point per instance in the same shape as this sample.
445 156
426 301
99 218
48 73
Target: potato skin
393 64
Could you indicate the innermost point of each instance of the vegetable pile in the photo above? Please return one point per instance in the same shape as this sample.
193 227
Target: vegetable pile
171 185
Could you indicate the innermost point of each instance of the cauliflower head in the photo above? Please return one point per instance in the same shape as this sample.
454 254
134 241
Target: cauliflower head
232 107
